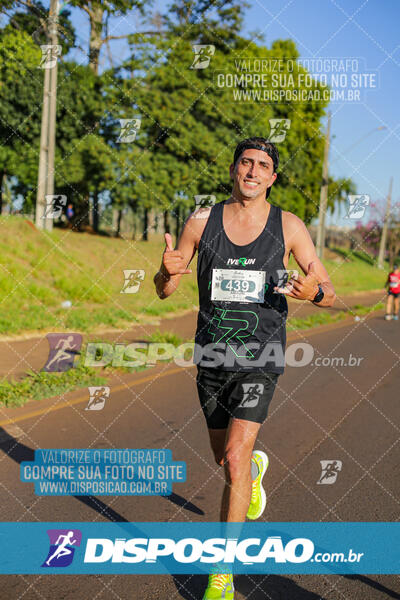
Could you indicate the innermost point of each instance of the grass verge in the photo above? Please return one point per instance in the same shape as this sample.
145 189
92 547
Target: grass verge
323 317
39 271
38 386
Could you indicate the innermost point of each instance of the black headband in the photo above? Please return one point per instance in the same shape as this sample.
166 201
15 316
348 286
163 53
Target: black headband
251 146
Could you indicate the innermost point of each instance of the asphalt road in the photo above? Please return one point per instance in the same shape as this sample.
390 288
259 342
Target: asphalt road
332 412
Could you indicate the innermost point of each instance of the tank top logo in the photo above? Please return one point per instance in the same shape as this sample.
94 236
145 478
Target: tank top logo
241 261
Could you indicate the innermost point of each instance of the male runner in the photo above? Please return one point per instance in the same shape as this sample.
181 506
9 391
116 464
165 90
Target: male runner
243 249
393 282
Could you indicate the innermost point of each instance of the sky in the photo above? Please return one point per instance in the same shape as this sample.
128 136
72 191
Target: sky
365 138
343 29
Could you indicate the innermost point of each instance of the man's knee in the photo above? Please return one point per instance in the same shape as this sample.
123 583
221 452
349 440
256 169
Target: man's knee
236 463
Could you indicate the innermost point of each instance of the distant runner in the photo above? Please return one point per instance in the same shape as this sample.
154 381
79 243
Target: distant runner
392 303
243 246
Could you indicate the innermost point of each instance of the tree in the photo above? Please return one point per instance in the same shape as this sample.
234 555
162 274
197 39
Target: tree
83 164
99 12
20 86
34 21
190 125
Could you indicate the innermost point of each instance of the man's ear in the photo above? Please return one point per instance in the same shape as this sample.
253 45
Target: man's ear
231 171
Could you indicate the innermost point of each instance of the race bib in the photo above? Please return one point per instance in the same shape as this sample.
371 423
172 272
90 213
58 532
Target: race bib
231 285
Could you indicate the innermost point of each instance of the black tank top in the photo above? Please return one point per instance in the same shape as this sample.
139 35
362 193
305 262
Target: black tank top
235 335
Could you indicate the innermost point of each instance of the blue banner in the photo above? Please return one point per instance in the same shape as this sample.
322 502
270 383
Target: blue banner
110 472
198 548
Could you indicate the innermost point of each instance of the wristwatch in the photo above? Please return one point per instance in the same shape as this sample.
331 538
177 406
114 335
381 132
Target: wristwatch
319 295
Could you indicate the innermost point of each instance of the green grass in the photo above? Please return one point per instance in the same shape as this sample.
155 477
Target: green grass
41 385
323 317
38 271
353 272
37 386
165 337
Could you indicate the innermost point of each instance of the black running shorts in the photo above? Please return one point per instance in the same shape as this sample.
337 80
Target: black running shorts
395 294
226 394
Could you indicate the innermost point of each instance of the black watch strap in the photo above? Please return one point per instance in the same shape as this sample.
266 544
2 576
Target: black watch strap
319 295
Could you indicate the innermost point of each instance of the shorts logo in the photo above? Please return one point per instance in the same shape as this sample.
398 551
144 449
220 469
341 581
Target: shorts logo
251 394
61 551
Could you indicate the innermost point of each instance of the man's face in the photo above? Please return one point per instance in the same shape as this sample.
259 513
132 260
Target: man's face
252 174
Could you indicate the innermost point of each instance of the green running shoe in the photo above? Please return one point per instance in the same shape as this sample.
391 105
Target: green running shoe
258 498
220 586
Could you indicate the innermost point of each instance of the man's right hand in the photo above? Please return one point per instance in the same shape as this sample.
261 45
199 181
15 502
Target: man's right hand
173 260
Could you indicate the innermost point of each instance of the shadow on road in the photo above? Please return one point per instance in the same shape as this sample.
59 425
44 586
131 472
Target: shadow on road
20 452
375 584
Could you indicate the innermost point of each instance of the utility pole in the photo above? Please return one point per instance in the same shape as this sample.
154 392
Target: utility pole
48 129
382 245
323 199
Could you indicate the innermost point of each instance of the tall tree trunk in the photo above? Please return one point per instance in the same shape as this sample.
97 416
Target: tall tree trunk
2 177
166 221
95 217
177 221
134 227
145 236
95 41
82 211
152 221
119 219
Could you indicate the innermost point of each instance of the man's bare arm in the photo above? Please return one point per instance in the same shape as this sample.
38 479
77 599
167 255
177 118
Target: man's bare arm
175 263
299 242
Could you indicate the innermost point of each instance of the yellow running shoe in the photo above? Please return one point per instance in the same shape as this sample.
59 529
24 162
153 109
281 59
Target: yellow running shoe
220 586
258 498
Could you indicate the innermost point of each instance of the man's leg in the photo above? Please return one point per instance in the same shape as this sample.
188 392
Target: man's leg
240 440
389 305
396 306
217 441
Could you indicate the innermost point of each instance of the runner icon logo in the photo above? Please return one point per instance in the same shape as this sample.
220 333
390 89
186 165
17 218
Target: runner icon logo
133 279
50 54
129 129
62 547
63 347
97 399
203 54
251 394
204 203
54 206
279 129
329 471
357 206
